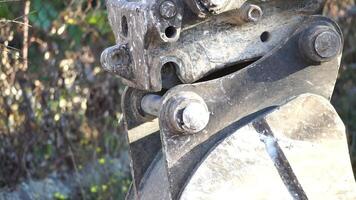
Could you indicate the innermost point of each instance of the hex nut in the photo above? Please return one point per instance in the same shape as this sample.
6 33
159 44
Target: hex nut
186 113
195 117
254 13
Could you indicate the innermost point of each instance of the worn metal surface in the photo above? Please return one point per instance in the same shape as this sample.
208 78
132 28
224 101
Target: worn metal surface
204 8
143 138
238 168
271 81
233 61
305 157
151 104
147 41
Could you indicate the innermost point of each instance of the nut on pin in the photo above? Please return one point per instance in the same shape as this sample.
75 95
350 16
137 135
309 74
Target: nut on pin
186 112
320 43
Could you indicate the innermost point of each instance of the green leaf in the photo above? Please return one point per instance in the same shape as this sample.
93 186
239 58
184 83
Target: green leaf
75 33
99 20
5 11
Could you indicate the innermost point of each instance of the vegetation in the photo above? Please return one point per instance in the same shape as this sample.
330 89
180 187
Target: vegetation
60 111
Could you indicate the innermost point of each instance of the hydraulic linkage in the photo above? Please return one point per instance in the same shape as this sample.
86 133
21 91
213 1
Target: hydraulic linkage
230 99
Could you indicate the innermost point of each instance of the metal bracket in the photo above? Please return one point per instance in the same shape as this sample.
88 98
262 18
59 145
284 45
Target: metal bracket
153 35
280 75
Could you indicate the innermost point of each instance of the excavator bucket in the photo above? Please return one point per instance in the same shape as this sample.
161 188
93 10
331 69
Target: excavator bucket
294 151
230 99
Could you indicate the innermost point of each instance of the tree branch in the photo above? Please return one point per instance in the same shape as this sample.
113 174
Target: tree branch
25 35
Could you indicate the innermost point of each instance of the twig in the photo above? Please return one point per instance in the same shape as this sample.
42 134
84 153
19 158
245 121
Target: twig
17 18
9 47
6 1
6 21
25 35
11 50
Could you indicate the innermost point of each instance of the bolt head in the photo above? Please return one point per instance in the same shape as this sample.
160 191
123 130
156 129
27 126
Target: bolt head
168 9
320 43
327 44
195 117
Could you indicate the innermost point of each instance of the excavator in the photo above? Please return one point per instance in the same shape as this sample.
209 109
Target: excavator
230 99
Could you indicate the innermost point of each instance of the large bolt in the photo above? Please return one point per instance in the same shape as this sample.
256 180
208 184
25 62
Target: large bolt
168 9
185 112
327 44
320 43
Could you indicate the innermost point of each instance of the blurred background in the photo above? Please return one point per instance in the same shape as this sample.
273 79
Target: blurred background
59 112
